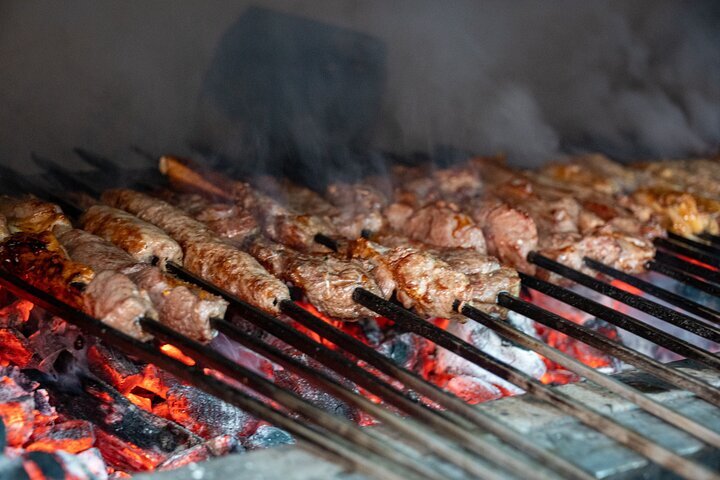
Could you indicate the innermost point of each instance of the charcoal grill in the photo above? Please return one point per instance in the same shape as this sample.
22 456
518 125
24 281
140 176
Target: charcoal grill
457 440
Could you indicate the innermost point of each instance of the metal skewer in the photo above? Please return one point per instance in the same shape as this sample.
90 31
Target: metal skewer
714 239
678 319
675 377
704 247
702 271
688 305
591 417
687 251
683 277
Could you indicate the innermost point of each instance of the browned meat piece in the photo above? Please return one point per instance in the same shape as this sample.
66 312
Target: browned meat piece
485 287
681 212
277 221
116 300
41 261
237 272
225 219
464 260
595 172
440 224
181 306
360 208
145 242
206 254
510 233
359 196
295 197
457 183
292 229
328 281
176 223
31 215
420 280
111 297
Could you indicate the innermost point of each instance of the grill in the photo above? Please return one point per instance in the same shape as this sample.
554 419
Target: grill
454 439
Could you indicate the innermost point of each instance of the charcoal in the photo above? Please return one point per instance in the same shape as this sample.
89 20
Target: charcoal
16 314
17 412
267 436
315 395
73 436
88 464
126 455
403 349
448 364
113 367
214 447
91 399
48 464
206 415
16 348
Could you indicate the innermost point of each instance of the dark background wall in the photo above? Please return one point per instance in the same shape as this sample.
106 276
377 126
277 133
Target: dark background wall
534 79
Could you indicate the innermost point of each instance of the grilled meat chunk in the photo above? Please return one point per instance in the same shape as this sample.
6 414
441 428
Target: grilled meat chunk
510 233
227 220
181 306
420 280
327 281
117 301
440 224
206 254
237 272
111 297
31 215
145 242
278 222
681 212
40 260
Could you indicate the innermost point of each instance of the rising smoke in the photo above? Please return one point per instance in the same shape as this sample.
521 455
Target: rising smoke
635 79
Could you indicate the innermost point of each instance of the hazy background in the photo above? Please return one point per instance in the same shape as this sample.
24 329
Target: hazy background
533 79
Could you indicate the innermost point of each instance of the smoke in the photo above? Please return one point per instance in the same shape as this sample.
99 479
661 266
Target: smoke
634 79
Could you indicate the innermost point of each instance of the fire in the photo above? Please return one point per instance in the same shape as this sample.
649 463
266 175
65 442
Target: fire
177 354
626 287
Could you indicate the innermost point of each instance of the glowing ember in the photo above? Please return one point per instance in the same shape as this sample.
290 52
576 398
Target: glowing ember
177 354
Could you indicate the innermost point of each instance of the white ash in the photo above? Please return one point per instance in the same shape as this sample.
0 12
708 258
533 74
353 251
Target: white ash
489 342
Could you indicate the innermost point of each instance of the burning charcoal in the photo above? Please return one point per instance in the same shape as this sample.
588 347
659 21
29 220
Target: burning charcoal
16 411
16 348
73 436
54 336
267 436
120 426
206 415
214 447
113 367
89 461
472 389
314 395
15 314
449 364
126 455
43 465
403 349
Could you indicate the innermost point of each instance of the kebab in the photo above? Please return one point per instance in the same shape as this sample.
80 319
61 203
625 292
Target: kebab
37 257
421 277
205 253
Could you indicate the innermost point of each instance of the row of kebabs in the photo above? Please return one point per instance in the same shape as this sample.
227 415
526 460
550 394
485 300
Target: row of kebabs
426 241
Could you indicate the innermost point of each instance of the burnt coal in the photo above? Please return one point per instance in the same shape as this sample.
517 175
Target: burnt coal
215 447
268 436
315 395
207 416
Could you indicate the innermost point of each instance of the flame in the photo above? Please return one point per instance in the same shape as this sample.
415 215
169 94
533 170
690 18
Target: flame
177 354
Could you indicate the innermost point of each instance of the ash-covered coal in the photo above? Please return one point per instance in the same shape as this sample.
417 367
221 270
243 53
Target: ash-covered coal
268 436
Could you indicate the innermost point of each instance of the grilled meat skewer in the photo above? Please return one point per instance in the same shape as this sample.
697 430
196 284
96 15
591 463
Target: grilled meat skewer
181 306
109 296
277 221
143 241
31 215
205 253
